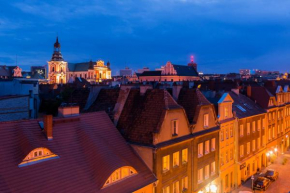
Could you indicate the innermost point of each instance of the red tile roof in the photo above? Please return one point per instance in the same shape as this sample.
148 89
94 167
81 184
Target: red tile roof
143 115
89 148
191 100
261 95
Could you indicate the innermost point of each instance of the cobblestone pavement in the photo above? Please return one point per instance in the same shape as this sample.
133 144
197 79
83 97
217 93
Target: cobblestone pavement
281 185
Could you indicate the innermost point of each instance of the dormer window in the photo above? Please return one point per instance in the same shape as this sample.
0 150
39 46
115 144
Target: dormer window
119 174
174 127
38 155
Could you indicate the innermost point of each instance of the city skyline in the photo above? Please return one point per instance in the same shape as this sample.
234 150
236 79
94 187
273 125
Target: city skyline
221 37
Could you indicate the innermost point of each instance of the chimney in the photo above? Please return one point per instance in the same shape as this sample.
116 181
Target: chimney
176 90
68 110
249 91
144 88
48 126
236 91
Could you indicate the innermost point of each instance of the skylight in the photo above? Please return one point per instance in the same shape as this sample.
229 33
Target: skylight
241 108
248 106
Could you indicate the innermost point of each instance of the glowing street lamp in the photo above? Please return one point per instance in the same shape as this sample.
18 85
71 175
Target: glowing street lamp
276 150
267 154
213 188
271 152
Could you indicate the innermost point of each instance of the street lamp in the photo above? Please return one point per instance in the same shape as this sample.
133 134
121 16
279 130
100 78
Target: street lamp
252 178
213 188
276 150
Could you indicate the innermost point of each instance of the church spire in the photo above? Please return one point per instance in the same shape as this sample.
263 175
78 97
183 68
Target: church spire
56 56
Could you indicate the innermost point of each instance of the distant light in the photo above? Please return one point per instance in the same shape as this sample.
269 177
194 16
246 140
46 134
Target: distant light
275 149
213 188
191 58
271 152
267 154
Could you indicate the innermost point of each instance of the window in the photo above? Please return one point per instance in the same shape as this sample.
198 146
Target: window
176 187
264 140
184 155
264 123
176 159
270 134
206 147
200 149
174 127
205 120
273 132
270 117
254 126
227 181
119 174
248 128
227 133
278 129
166 163
241 150
184 183
213 144
254 145
231 154
241 130
259 125
200 176
212 168
222 159
206 172
226 112
248 148
258 143
227 157
231 131
222 135
166 189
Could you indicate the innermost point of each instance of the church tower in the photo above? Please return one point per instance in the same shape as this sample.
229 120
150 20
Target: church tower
57 67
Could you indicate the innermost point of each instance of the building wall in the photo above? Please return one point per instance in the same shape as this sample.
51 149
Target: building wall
14 108
146 189
174 174
57 72
173 78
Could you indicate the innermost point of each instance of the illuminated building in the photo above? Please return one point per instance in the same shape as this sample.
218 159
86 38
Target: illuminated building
57 67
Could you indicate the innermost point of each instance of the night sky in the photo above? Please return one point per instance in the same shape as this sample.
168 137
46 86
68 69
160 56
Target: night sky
223 35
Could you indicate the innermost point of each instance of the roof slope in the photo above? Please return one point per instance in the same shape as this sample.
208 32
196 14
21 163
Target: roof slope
244 106
143 115
185 70
89 148
261 95
191 100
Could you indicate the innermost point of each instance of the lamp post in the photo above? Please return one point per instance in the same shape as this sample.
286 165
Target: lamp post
276 150
252 178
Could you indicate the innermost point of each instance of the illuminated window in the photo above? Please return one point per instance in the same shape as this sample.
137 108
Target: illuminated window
259 125
254 126
184 183
258 143
248 128
184 155
166 189
241 150
213 144
166 163
176 187
176 159
37 155
231 154
269 134
206 172
200 176
205 120
212 168
248 148
200 149
207 147
231 131
174 127
241 130
254 145
120 174
227 157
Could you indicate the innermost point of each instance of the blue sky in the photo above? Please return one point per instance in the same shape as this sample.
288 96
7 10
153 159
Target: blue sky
223 35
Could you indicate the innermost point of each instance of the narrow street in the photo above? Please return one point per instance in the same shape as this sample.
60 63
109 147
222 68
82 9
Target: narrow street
281 185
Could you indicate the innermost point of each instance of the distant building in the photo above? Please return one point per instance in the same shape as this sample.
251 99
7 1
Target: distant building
245 72
140 71
126 72
60 72
171 72
8 72
38 72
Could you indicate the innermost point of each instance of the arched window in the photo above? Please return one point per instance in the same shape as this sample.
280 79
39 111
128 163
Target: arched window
52 69
37 155
119 174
